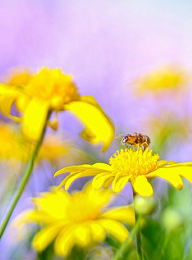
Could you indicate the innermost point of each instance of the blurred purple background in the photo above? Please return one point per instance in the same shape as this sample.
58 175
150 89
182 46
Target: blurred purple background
105 45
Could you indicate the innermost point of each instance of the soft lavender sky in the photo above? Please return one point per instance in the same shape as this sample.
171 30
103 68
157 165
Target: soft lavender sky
103 44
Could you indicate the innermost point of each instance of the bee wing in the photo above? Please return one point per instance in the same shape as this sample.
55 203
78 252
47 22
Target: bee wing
119 137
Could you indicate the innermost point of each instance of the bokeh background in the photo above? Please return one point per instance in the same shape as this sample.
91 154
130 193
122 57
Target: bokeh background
107 46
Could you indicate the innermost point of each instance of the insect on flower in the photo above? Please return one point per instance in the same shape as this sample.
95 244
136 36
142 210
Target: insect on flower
135 139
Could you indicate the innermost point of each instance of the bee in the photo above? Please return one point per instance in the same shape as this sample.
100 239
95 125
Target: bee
135 139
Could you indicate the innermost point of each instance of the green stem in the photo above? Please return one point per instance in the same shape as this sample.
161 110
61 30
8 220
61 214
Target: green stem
139 246
138 235
24 180
124 248
166 242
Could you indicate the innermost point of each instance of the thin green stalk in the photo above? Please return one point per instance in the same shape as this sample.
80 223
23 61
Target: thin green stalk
24 180
138 235
139 246
124 248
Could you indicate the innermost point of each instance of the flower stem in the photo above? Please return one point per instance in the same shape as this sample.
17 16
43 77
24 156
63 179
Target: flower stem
138 235
139 246
25 179
124 248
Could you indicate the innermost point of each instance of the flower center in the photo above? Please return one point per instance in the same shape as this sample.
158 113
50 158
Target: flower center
54 86
82 209
131 162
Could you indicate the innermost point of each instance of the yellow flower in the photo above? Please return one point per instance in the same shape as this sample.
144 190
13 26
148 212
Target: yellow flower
131 165
14 147
53 91
168 78
53 149
11 147
76 219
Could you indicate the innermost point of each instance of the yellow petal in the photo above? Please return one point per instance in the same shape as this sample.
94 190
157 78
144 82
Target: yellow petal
66 183
34 118
73 169
82 235
98 233
6 102
171 175
50 203
162 163
71 179
102 166
108 182
100 179
31 216
186 172
65 241
23 218
78 172
115 229
142 186
120 182
124 214
179 164
181 169
98 127
44 237
91 100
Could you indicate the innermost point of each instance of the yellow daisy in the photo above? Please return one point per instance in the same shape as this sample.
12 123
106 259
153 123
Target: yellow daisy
167 78
12 147
131 165
49 91
78 219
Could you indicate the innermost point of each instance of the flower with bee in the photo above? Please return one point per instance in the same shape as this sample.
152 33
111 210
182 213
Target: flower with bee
130 165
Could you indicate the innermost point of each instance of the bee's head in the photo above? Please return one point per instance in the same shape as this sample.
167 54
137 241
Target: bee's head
125 139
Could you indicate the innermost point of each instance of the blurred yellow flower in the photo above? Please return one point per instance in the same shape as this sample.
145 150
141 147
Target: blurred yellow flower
11 147
14 147
76 219
57 151
53 149
131 165
48 91
167 78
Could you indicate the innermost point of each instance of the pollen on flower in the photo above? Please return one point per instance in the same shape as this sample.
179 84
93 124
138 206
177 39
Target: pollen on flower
131 162
54 86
